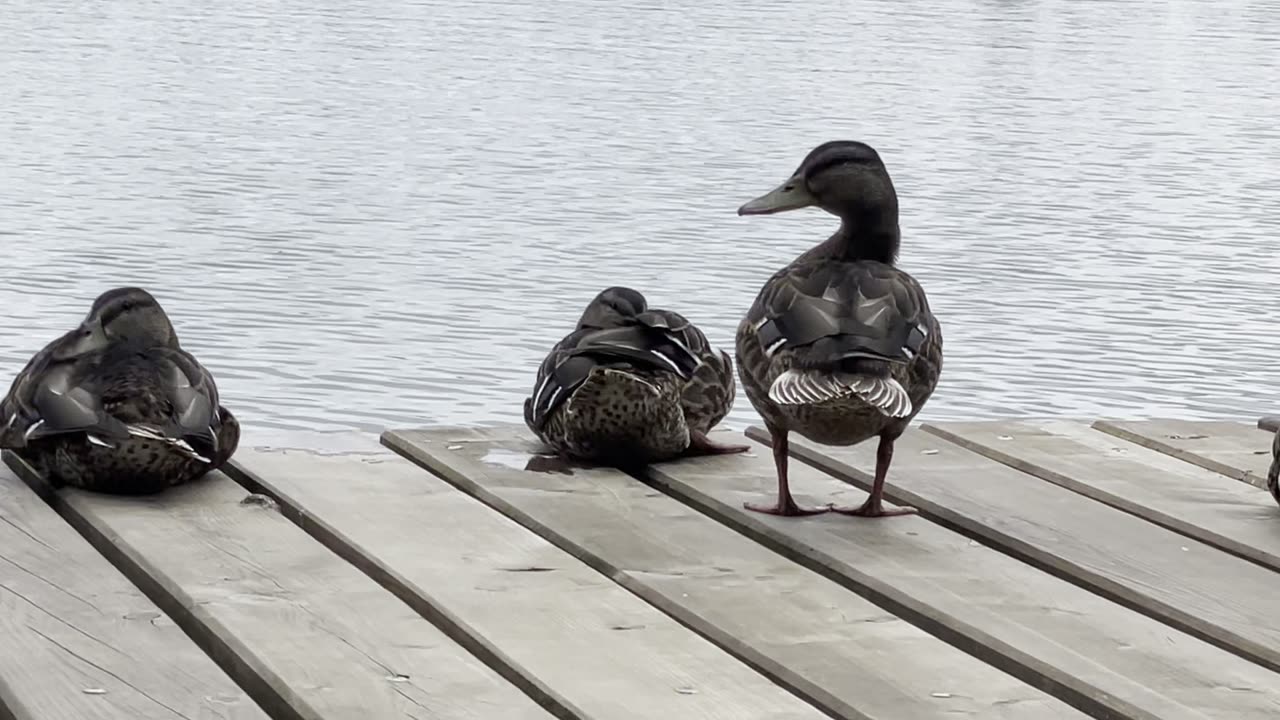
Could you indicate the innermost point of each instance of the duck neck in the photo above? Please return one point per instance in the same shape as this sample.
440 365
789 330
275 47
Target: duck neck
870 235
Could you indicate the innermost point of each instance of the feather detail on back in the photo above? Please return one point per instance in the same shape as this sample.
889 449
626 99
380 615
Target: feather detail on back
798 386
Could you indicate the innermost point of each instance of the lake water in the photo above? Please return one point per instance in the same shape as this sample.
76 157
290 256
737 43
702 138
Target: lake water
368 213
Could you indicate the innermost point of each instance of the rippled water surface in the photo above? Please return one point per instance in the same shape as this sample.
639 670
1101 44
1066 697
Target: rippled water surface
370 213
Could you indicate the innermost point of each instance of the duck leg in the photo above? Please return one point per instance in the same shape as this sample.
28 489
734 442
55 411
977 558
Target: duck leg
700 444
785 506
874 506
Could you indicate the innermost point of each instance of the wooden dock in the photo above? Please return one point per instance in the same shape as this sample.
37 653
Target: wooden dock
1126 570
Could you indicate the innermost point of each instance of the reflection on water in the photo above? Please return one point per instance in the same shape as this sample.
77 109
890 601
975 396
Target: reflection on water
374 213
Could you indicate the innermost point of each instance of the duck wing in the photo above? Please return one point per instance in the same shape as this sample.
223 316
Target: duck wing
830 329
708 395
654 341
37 386
195 415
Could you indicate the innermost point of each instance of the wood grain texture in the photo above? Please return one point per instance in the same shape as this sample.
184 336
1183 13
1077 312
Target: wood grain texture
1237 450
796 626
309 635
1188 499
79 642
1107 660
1175 579
579 639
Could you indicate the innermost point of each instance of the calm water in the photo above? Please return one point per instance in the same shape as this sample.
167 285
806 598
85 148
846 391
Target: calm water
370 213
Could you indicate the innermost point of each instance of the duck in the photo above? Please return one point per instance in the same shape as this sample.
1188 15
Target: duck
1273 473
631 385
839 346
116 405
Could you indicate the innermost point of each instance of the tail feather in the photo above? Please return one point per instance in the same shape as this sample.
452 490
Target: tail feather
178 443
808 387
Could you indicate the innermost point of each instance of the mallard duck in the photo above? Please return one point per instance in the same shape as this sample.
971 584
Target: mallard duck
840 345
116 405
1273 474
631 385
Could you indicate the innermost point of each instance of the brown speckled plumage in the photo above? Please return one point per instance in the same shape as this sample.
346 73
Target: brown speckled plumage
630 385
843 314
117 405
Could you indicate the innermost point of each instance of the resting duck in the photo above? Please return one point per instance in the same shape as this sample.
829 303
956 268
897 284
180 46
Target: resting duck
116 405
631 385
840 345
1273 475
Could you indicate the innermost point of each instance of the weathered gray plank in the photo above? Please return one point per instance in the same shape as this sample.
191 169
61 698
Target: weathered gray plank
1176 579
308 634
1106 659
571 632
796 626
1237 450
71 625
1191 500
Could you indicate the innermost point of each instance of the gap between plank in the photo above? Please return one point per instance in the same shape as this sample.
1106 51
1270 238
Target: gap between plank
142 575
1142 512
398 586
1187 456
617 575
1026 553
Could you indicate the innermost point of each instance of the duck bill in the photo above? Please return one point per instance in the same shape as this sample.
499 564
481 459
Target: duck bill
790 195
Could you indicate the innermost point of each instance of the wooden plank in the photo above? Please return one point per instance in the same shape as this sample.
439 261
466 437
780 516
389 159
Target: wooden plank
588 644
1182 497
797 627
309 635
1237 450
1101 657
78 641
1177 580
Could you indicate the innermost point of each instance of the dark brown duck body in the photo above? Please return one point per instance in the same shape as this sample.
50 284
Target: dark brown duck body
839 346
630 385
117 406
1273 474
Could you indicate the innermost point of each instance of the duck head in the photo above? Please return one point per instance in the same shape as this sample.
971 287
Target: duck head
612 307
124 315
847 179
844 177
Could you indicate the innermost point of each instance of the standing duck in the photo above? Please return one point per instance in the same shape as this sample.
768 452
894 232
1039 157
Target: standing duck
116 405
631 385
840 345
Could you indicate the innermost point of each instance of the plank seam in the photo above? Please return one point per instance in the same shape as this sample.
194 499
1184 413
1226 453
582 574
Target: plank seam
250 679
807 691
1029 554
416 598
1142 512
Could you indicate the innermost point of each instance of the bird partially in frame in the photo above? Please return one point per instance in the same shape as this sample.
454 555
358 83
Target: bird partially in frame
631 385
116 405
840 345
1273 473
